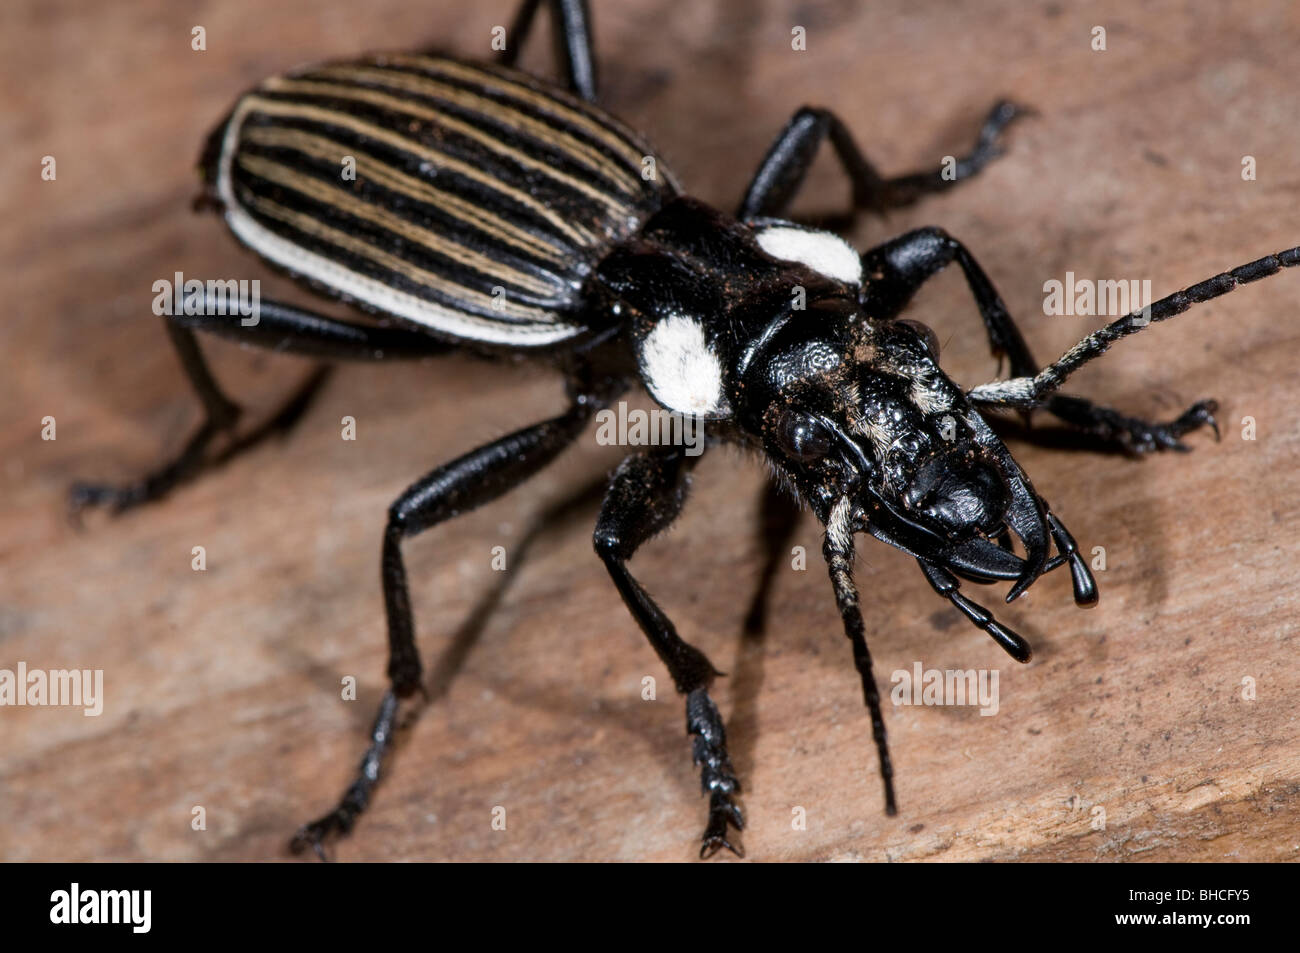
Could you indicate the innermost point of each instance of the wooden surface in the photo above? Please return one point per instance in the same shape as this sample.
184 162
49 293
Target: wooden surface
223 687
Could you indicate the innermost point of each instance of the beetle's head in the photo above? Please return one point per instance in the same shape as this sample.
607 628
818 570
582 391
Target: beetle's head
860 418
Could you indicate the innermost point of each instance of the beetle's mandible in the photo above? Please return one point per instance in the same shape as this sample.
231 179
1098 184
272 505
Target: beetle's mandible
494 211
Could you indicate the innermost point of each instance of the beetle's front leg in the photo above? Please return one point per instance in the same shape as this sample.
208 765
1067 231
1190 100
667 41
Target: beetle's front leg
644 498
895 270
1113 430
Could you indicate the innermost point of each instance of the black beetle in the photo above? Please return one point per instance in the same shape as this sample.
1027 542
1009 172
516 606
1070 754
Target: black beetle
493 211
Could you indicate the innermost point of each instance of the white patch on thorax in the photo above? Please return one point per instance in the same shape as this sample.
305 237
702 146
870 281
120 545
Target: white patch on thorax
823 252
680 370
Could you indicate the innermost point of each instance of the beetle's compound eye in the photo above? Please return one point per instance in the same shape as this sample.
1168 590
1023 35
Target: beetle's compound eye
802 437
927 335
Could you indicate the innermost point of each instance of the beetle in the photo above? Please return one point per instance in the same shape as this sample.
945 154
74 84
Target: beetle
497 212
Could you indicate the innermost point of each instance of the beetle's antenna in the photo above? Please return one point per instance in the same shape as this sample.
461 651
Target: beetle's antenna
838 551
1025 393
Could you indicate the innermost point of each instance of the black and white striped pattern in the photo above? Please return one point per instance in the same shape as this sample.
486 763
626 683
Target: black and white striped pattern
482 198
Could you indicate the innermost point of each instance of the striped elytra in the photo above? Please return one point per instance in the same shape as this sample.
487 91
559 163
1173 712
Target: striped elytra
472 200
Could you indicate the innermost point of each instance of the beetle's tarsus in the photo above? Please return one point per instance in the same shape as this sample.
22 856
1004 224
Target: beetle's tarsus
337 823
1133 435
340 821
717 777
118 498
722 812
223 416
1002 115
1146 437
988 144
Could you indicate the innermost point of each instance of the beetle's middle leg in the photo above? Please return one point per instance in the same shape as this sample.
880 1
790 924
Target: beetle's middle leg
644 498
789 158
895 270
466 483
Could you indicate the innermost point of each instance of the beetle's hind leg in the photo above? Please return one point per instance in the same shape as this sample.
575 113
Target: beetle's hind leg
571 29
220 416
279 327
644 498
789 158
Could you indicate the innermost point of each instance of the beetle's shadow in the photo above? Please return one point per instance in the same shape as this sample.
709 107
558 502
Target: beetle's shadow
776 527
451 659
682 49
558 514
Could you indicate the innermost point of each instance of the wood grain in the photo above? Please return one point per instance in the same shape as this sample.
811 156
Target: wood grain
223 686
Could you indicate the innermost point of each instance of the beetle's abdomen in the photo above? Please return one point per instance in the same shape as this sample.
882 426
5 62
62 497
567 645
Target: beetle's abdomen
473 200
